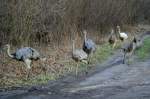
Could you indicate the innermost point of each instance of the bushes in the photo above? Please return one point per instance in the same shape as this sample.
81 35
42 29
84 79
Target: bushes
53 21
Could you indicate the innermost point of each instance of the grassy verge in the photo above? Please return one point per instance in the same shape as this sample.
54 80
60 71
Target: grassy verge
69 67
144 51
102 53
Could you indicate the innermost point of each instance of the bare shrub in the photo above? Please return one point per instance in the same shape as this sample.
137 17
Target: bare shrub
26 22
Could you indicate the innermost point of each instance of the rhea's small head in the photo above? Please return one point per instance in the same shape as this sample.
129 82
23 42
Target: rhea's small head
112 31
7 46
84 31
118 27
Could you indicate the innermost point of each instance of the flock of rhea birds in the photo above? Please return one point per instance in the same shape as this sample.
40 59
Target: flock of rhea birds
28 54
127 49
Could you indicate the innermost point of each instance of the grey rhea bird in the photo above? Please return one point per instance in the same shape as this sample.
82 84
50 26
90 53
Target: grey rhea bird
139 42
112 39
89 45
128 49
78 55
25 54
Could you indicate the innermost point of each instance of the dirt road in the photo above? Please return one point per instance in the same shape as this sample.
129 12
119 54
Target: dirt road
114 81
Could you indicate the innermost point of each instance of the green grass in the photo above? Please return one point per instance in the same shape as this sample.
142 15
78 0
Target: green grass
144 51
102 53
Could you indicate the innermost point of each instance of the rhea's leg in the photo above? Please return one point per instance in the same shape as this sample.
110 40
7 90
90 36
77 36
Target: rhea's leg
128 62
124 58
28 64
28 74
86 62
130 57
113 46
90 57
44 66
131 53
77 69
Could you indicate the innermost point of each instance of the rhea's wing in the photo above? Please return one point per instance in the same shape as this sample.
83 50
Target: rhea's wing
79 54
35 53
23 53
89 44
124 35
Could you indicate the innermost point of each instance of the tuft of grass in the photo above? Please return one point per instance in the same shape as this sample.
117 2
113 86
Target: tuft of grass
39 79
144 51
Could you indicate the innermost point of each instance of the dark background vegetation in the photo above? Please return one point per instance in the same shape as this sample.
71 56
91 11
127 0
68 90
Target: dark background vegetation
56 22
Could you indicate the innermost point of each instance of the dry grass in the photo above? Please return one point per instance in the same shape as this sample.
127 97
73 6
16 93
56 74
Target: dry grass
59 63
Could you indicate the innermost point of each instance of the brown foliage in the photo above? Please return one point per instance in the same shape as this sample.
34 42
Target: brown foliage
25 22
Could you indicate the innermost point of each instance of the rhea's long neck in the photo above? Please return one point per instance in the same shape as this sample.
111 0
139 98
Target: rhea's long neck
119 30
112 31
85 38
8 52
73 46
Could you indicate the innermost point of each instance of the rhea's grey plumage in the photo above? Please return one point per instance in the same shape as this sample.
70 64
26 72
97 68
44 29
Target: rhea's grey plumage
78 55
129 48
88 46
26 54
